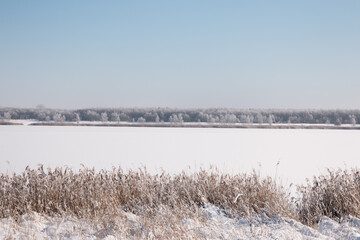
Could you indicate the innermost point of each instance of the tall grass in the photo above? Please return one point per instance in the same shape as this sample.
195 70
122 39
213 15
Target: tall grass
88 193
170 198
335 195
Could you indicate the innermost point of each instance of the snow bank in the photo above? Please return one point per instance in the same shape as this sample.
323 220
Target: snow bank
263 227
216 226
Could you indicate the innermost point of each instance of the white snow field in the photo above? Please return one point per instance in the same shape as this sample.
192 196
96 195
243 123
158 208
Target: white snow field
290 155
301 153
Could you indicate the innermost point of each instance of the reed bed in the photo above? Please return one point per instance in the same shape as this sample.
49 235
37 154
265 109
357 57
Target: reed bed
335 195
163 199
87 193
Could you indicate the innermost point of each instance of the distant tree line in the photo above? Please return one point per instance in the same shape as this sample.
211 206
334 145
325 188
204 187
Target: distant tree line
210 115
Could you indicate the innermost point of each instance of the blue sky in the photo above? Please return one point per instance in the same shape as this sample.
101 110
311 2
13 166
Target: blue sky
242 54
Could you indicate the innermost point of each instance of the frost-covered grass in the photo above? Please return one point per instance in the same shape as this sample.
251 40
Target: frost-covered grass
86 204
335 195
87 193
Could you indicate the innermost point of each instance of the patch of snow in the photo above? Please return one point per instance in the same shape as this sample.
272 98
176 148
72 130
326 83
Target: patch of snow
348 229
216 226
25 122
277 227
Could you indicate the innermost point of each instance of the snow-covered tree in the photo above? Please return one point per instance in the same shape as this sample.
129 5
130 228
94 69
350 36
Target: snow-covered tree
92 116
7 115
77 117
245 118
141 120
271 119
186 117
259 118
124 117
176 118
41 116
58 117
293 119
115 117
213 119
104 117
338 122
229 118
352 120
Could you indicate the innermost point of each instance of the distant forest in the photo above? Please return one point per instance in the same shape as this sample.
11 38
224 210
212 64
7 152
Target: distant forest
210 115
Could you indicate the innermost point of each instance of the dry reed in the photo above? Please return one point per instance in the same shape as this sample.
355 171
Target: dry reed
166 199
89 194
335 195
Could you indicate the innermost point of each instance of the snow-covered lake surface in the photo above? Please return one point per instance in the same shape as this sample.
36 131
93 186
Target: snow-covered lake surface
301 153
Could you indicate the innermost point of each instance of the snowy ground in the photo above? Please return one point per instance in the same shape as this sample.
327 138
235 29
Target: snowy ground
216 226
290 155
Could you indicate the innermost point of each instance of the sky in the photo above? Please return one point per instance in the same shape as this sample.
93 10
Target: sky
184 54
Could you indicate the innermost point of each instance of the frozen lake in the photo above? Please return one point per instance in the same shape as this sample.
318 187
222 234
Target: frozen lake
300 153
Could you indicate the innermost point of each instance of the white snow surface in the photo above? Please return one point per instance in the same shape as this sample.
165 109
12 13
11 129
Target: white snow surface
290 155
216 226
